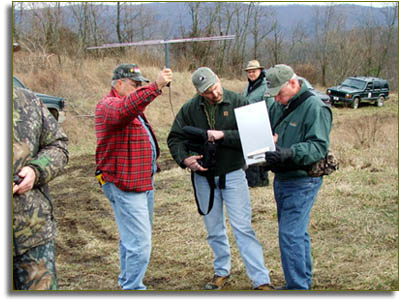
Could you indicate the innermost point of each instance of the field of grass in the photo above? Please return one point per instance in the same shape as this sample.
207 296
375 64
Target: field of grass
354 222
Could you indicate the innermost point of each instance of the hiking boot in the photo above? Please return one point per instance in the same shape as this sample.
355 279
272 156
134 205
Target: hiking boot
264 287
217 283
281 288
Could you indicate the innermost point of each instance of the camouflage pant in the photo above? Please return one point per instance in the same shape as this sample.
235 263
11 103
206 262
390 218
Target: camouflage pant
36 269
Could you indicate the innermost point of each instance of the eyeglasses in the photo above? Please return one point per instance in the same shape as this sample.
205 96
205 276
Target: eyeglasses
135 84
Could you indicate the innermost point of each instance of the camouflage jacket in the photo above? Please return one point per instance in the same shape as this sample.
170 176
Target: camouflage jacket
40 143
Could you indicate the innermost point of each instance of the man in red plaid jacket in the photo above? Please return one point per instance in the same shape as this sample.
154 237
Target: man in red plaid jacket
126 154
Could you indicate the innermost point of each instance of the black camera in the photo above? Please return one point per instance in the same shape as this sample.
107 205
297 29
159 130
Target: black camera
198 142
17 179
209 159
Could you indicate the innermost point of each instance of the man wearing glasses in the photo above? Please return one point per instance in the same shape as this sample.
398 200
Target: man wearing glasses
126 154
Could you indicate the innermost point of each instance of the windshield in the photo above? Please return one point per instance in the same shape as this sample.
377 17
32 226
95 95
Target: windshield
354 83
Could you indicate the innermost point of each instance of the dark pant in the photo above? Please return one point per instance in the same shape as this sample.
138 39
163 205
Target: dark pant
257 176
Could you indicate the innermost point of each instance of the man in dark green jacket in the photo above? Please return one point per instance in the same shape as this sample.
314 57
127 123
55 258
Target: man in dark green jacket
212 110
302 138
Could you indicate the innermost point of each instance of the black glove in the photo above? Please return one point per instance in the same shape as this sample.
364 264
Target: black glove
278 156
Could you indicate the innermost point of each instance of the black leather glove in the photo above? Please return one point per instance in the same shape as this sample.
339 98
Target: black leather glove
278 156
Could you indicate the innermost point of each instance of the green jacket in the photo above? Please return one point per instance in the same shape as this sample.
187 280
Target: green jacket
38 142
305 131
229 152
259 87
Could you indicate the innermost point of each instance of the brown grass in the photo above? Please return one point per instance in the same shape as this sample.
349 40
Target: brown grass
354 222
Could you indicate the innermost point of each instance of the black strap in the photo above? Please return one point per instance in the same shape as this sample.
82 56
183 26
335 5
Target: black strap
292 106
211 183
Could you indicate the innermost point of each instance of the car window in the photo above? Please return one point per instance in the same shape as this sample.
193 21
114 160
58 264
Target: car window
354 83
377 85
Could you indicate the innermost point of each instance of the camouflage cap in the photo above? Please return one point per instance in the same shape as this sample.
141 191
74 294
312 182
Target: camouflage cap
130 71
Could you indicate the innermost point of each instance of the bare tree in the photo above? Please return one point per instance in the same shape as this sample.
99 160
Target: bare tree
118 22
324 18
389 36
18 13
242 16
261 26
274 44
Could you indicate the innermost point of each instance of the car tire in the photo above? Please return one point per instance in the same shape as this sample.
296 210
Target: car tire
355 103
380 102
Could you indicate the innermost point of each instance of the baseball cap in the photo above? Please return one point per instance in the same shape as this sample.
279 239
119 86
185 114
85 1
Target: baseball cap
276 78
130 71
253 64
203 78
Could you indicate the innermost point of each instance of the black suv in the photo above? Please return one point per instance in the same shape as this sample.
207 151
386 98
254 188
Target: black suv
356 89
54 104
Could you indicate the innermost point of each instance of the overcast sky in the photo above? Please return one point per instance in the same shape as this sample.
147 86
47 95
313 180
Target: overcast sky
365 3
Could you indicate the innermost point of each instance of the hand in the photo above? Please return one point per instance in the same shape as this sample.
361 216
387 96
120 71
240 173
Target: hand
214 135
29 177
192 163
279 156
275 137
164 77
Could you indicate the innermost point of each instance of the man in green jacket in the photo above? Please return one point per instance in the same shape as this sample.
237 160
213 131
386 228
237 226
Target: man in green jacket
212 110
254 92
302 138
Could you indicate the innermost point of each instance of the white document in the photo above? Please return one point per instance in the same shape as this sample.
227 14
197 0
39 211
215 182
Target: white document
254 131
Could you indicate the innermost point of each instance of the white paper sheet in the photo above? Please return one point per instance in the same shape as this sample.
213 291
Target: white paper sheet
254 131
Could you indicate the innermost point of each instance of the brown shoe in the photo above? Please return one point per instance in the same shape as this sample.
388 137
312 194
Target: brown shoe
217 283
264 287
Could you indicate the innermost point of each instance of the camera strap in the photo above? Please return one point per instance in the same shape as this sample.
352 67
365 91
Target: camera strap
211 183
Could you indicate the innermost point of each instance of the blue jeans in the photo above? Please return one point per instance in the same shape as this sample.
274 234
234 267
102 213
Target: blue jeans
133 215
294 200
237 201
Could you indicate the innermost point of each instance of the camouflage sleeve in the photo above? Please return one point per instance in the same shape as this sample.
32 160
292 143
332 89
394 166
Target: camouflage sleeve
53 153
20 155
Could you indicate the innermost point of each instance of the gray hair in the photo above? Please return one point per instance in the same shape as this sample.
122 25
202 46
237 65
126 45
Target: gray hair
114 82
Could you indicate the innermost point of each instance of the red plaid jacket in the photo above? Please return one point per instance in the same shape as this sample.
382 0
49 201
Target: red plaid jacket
123 150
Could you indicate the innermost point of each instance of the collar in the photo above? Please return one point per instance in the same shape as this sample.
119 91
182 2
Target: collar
114 93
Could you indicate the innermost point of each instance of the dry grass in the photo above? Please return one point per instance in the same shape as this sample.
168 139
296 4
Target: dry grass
354 222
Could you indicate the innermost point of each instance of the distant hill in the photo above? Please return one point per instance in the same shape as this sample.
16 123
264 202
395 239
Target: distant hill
176 14
288 15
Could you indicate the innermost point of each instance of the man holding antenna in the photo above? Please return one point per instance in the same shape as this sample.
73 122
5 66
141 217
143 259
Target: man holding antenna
126 155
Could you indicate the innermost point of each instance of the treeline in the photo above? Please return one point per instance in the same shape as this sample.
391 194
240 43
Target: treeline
324 49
